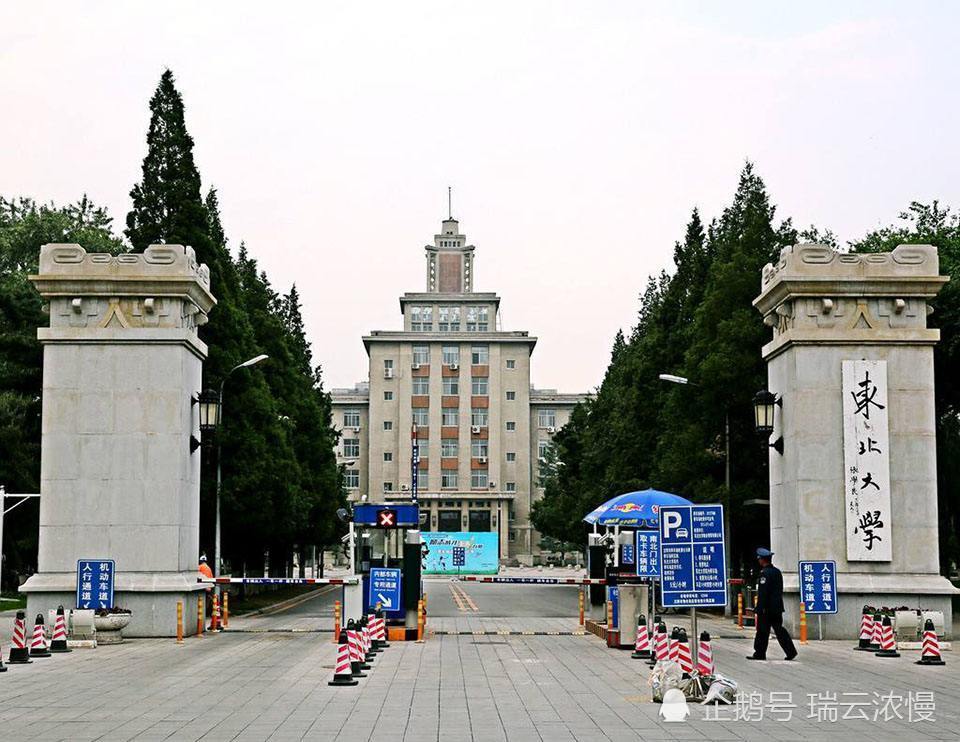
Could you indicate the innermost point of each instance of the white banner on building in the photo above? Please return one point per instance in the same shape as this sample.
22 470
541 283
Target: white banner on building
866 461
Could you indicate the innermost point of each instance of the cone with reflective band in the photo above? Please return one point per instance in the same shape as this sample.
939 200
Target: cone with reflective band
641 648
372 633
368 654
930 648
661 643
705 655
355 650
888 646
343 672
38 645
674 646
877 632
382 623
866 632
684 657
19 654
59 643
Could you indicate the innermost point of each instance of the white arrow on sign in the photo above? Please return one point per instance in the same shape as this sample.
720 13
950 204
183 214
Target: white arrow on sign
384 602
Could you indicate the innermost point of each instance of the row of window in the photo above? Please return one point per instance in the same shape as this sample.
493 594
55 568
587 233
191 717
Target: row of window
449 449
479 386
451 415
450 354
448 319
449 479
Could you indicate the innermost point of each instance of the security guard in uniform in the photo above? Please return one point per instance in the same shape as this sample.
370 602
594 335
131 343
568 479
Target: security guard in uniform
769 610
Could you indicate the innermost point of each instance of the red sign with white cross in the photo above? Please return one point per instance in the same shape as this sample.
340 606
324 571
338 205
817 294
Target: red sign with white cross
387 518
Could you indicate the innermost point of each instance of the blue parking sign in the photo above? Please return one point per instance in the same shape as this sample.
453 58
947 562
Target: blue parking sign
95 583
385 588
818 586
693 570
648 554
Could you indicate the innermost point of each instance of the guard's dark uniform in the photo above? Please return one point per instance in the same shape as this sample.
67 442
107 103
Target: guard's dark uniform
769 613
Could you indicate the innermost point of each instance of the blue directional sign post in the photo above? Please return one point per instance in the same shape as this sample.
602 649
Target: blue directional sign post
385 588
818 586
95 583
648 554
692 565
627 554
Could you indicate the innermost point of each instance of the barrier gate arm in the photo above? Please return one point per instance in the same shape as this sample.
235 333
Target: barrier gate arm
278 580
532 580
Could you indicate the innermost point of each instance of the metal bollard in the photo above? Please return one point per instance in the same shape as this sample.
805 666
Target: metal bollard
336 622
580 596
200 615
215 615
803 623
420 621
180 622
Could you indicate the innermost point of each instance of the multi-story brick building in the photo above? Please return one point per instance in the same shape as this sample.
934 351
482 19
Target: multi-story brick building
463 384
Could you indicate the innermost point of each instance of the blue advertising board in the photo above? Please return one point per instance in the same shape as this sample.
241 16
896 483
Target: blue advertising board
692 564
818 586
384 588
95 583
648 554
480 552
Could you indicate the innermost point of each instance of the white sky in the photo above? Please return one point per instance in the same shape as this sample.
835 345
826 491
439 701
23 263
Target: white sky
577 137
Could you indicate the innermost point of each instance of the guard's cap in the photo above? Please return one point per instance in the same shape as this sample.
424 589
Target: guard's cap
761 552
203 557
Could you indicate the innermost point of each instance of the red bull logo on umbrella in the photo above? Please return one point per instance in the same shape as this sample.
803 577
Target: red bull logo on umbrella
627 507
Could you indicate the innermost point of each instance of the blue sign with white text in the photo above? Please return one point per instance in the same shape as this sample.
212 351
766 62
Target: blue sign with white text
95 583
648 554
613 595
818 586
693 571
385 588
626 554
459 556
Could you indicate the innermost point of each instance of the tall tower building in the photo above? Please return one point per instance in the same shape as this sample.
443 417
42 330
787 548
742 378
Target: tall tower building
461 384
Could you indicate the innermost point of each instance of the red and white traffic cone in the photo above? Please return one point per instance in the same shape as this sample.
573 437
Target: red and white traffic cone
705 655
930 648
38 645
59 643
661 644
372 632
343 672
356 651
674 650
877 632
19 654
641 648
382 630
866 632
683 653
888 646
369 654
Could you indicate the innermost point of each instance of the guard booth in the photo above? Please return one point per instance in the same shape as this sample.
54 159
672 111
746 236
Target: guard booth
388 560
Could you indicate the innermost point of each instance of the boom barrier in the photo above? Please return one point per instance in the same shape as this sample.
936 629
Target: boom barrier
278 580
533 580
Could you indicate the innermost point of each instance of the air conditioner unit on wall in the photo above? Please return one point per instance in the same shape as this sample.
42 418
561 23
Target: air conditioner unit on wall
388 373
415 366
475 429
551 429
483 459
404 487
454 366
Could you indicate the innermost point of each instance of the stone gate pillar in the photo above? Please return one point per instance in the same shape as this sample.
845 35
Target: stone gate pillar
118 479
852 361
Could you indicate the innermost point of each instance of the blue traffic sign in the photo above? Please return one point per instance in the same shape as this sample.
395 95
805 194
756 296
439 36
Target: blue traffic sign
459 556
626 554
692 564
385 588
818 586
95 583
648 554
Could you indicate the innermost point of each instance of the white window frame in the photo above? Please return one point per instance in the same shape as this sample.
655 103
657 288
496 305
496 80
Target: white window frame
387 395
421 354
388 455
511 425
511 396
451 354
479 417
511 455
351 448
420 416
479 448
480 386
388 424
510 487
449 448
546 418
351 418
351 479
479 479
417 384
450 416
480 355
449 479
511 363
451 386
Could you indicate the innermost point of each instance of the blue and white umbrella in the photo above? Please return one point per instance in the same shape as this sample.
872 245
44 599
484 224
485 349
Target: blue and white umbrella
634 509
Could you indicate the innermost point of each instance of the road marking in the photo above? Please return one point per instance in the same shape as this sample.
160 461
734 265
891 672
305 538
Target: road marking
309 596
464 602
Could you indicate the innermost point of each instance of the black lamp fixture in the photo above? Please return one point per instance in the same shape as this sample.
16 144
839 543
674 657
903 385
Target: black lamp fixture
209 402
764 404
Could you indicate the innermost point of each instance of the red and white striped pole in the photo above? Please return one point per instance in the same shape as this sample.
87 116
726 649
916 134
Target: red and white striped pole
930 648
38 645
59 643
19 654
343 672
888 646
684 657
705 655
866 631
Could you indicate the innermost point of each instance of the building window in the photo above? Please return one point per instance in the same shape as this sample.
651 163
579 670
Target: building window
510 487
451 354
388 364
388 486
351 479
479 386
451 385
387 396
547 418
351 448
511 426
448 319
351 418
423 480
388 424
421 319
513 534
511 363
421 416
478 449
477 319
388 456
478 479
421 355
480 355
511 396
421 386
478 416
449 448
542 447
448 479
450 416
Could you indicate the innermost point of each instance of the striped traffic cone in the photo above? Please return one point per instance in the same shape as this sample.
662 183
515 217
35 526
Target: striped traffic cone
888 646
866 631
930 648
38 646
705 655
641 649
343 672
382 629
661 644
877 632
683 653
356 650
674 651
19 654
59 643
368 653
372 632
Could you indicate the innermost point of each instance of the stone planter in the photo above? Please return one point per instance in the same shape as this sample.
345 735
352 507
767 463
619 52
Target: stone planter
109 627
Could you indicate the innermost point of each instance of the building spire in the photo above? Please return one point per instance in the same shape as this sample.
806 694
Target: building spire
449 202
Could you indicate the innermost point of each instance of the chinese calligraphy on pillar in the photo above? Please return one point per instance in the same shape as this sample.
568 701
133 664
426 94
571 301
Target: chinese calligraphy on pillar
866 461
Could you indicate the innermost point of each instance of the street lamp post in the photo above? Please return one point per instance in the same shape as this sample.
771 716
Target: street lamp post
211 415
674 379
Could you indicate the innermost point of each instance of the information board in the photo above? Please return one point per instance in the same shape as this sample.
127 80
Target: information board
385 588
648 554
692 564
480 552
818 586
95 583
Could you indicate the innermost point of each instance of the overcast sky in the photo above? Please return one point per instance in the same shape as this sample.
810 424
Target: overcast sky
577 137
